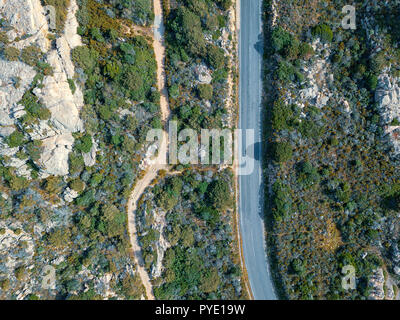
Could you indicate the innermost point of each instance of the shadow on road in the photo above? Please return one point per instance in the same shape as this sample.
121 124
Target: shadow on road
259 46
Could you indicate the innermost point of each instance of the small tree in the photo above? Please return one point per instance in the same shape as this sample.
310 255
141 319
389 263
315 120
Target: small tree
324 32
11 54
220 194
282 151
84 144
205 91
16 139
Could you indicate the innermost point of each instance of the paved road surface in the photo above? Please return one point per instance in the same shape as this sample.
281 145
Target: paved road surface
251 222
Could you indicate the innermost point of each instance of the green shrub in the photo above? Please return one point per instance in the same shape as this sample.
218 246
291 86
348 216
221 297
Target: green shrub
280 39
59 237
292 51
53 185
216 57
308 175
282 202
224 4
282 115
395 122
33 108
286 71
282 151
210 280
84 144
3 37
205 91
114 220
11 53
187 30
72 85
85 58
309 129
305 51
31 55
372 82
78 185
16 139
20 273
5 284
45 68
18 183
133 83
298 266
105 112
76 163
324 32
378 63
174 91
219 194
96 35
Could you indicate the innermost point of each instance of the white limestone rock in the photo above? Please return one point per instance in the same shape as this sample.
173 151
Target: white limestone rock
317 91
387 98
54 158
70 195
56 95
397 270
377 283
9 94
27 18
203 74
5 150
6 131
90 157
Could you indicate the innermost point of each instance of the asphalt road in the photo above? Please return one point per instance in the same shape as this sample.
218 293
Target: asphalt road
250 195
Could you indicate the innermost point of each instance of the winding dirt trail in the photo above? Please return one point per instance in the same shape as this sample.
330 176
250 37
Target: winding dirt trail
160 163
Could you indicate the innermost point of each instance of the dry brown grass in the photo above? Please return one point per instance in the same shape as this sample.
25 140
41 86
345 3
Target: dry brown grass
328 239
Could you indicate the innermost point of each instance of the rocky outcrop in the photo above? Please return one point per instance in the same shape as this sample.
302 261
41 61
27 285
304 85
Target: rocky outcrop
58 98
27 20
10 94
70 195
317 75
90 157
16 250
56 95
162 245
10 110
377 282
203 74
55 154
382 288
387 98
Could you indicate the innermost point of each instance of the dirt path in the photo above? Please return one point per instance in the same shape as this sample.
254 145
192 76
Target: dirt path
160 163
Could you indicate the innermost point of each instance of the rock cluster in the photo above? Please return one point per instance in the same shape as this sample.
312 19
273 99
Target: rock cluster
203 74
387 97
70 195
16 250
10 94
10 110
377 282
318 80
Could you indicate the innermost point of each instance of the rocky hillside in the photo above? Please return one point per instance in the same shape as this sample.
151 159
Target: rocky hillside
73 122
332 124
